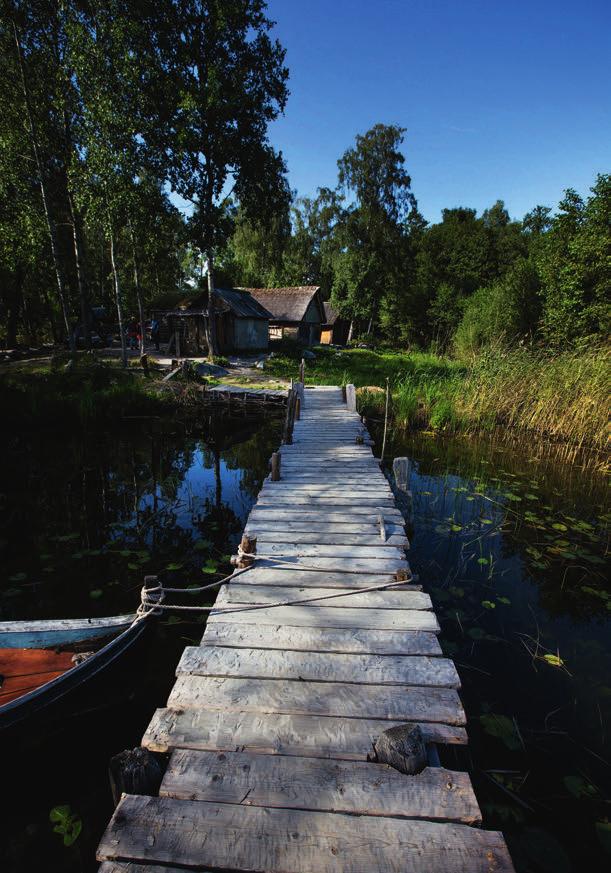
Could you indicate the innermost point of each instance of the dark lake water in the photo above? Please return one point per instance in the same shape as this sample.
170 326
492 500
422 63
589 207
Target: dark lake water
84 520
511 547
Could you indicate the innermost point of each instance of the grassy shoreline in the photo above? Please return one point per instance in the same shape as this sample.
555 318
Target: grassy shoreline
562 398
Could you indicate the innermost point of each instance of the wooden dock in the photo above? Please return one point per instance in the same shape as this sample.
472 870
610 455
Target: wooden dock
272 717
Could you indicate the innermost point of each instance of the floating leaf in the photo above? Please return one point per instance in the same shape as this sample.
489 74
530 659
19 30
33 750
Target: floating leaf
578 786
482 561
96 593
486 520
529 496
174 567
505 600
502 728
515 498
488 604
202 545
558 525
68 824
603 832
209 567
132 566
18 577
455 527
554 660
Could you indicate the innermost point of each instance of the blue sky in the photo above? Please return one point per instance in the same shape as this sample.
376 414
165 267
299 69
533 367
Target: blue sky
500 100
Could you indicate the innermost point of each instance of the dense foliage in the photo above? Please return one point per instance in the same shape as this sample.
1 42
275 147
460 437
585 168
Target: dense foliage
463 284
115 105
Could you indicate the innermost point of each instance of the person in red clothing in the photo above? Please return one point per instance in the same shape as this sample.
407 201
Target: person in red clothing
132 333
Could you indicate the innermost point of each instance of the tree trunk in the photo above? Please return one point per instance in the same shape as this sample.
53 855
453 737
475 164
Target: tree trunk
115 277
137 287
350 330
80 281
43 192
211 335
370 324
14 308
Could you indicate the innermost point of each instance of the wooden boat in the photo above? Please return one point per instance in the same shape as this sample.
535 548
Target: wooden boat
44 662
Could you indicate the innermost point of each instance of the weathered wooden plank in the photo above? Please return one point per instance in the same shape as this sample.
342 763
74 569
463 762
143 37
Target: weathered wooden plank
284 528
387 598
394 703
327 616
337 564
266 513
318 667
348 489
387 552
346 739
134 867
311 500
318 784
283 575
199 834
287 638
340 538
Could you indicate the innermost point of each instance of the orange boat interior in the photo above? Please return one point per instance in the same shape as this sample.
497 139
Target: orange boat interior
23 670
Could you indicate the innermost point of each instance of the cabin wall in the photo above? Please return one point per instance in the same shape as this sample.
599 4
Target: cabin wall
250 334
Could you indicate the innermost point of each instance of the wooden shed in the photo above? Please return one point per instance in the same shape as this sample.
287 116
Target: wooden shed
295 312
242 323
335 330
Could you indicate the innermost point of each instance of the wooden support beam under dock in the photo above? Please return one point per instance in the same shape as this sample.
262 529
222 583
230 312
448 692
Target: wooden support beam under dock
305 661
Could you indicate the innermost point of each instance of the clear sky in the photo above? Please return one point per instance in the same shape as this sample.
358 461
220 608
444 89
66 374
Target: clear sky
508 100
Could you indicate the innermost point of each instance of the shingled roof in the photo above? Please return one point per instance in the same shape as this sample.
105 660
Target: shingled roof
238 300
331 315
285 304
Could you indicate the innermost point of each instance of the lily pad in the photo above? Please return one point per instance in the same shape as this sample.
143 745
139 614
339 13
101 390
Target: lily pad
503 728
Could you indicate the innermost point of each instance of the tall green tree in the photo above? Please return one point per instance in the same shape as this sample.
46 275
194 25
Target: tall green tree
225 82
368 267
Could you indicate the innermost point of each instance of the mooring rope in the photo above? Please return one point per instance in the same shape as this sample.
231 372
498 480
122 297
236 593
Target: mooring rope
151 598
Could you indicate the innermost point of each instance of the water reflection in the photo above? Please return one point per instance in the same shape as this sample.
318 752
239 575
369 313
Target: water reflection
88 518
512 550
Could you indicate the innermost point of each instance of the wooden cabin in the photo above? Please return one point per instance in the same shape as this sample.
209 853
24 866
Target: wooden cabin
242 324
335 330
296 312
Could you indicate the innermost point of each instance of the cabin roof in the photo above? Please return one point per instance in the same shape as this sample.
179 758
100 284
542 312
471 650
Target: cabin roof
286 304
331 315
239 301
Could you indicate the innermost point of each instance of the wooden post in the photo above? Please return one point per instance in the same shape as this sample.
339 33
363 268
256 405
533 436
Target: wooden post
401 746
401 471
248 546
385 421
275 466
287 435
302 371
144 363
351 398
297 408
134 771
382 527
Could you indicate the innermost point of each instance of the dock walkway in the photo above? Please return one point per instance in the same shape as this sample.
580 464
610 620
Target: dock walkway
272 717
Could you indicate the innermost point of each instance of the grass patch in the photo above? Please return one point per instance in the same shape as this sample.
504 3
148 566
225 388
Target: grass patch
562 397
